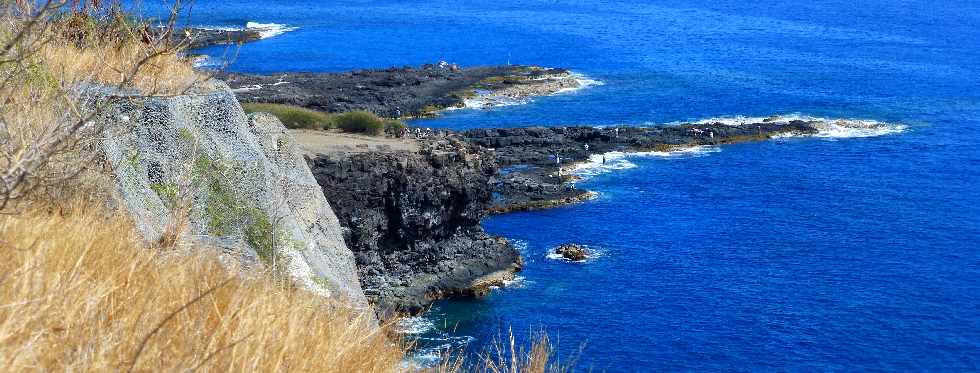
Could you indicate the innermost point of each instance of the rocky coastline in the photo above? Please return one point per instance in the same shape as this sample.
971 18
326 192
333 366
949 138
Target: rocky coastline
410 206
412 217
412 220
404 92
533 178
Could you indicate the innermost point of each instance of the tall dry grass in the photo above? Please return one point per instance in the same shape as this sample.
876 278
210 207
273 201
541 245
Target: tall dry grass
79 291
47 54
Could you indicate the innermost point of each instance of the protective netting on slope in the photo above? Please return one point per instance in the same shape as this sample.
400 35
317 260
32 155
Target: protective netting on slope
243 180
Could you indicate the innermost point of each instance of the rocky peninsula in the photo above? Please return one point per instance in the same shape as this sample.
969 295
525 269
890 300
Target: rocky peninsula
537 162
403 92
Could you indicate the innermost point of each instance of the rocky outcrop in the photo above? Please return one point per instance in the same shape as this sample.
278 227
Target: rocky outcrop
533 177
573 252
412 220
399 92
240 182
539 145
197 38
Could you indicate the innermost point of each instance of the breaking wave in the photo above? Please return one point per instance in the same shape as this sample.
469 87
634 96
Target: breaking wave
268 30
828 127
583 82
488 100
599 164
265 30
414 325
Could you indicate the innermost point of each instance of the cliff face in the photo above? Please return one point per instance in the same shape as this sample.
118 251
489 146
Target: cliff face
239 181
412 221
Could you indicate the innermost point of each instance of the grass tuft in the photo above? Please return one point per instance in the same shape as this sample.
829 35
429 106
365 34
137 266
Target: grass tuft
360 122
294 117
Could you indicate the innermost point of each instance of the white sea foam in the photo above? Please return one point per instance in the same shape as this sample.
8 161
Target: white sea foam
684 152
518 282
489 100
265 30
207 62
827 127
583 83
268 30
848 128
593 254
430 357
414 325
616 161
520 246
256 87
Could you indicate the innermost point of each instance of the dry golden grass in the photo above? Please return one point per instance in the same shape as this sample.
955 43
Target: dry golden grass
80 292
45 134
112 63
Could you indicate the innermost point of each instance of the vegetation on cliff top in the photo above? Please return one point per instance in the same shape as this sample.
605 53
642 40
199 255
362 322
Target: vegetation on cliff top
297 117
293 116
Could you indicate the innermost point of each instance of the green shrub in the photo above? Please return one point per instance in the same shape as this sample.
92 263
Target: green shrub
360 121
293 116
393 127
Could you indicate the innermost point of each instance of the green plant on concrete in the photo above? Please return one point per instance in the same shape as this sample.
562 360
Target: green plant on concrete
226 210
186 135
361 122
167 192
260 234
133 159
221 206
293 116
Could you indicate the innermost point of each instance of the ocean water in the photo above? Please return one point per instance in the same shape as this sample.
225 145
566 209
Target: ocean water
799 254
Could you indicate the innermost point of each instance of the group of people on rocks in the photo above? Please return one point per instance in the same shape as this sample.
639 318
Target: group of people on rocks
418 133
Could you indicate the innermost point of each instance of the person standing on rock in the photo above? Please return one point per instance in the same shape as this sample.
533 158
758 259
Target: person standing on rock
558 164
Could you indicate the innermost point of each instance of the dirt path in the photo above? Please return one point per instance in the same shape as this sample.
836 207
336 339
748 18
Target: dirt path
326 142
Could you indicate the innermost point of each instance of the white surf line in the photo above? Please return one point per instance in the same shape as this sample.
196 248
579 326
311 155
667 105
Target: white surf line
828 128
491 100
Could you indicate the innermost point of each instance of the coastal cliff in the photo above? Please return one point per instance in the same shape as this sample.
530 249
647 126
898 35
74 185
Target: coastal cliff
238 182
412 220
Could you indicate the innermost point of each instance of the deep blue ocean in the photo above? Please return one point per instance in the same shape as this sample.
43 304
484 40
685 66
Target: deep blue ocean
802 254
